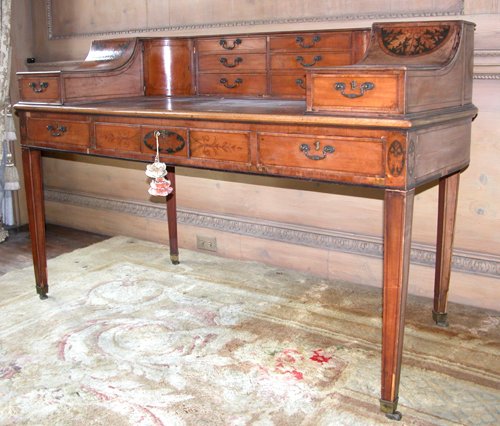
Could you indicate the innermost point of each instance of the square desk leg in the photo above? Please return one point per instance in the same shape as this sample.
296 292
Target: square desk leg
447 211
33 181
398 213
172 217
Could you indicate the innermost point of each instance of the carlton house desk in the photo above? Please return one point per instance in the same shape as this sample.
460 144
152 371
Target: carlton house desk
388 107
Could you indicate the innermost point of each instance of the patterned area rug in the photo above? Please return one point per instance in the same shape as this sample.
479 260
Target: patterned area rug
126 338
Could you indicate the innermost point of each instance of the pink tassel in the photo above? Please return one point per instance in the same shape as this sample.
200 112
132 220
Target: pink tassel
159 186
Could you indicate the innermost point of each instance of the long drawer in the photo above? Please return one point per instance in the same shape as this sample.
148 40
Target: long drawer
357 155
141 139
232 84
311 41
309 59
232 62
58 131
230 44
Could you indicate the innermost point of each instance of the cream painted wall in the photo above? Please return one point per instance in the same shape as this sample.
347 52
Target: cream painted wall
281 202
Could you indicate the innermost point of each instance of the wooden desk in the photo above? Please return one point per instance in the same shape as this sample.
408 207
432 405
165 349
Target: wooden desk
392 109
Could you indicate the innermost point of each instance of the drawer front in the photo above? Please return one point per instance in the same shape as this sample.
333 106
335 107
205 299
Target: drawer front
309 60
356 92
141 139
232 84
311 41
288 85
119 137
58 131
40 89
230 44
222 146
361 156
226 63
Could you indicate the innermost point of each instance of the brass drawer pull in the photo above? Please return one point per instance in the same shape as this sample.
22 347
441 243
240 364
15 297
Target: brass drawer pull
236 62
42 86
223 43
57 130
236 83
327 149
300 41
300 82
362 89
316 59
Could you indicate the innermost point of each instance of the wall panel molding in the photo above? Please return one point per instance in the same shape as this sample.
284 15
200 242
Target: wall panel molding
65 20
463 261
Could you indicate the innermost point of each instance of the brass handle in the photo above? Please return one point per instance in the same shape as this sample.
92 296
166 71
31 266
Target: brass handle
327 149
300 82
42 86
223 43
367 85
236 83
56 130
316 59
300 41
236 62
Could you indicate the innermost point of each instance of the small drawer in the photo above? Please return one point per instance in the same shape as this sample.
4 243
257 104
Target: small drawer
58 131
221 146
39 88
232 84
232 62
288 85
356 92
230 44
356 155
311 41
309 60
118 137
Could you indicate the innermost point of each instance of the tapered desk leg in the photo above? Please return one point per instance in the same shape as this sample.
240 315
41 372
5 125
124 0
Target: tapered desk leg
447 210
398 213
32 168
172 218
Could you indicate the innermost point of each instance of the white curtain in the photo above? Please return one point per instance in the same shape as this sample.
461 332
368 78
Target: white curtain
4 98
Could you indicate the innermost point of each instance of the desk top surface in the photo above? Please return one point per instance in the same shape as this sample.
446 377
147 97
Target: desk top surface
259 110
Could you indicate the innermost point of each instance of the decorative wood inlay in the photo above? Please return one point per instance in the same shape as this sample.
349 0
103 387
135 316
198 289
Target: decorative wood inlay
396 158
411 158
414 42
463 261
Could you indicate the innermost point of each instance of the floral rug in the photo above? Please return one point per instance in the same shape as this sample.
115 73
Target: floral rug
126 338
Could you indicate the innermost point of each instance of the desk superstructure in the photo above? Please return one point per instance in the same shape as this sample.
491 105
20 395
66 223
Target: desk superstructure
389 107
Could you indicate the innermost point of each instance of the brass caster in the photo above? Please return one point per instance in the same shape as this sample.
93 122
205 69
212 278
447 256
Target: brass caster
174 258
394 416
389 408
441 319
42 292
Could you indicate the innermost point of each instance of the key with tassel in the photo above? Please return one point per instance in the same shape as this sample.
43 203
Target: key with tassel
159 186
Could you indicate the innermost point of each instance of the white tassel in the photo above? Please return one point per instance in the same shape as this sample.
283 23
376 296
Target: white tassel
11 176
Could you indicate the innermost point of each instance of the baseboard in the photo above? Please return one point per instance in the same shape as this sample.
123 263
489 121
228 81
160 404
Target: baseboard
464 261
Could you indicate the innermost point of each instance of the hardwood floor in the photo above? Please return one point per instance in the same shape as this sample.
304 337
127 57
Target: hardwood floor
15 253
